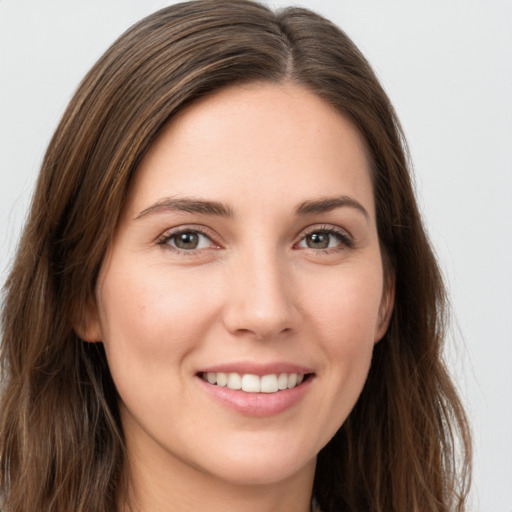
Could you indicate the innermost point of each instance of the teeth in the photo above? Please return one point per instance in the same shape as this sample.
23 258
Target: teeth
234 381
250 383
269 384
282 381
292 380
222 379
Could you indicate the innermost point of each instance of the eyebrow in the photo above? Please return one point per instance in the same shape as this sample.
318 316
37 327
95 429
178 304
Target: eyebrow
189 205
215 208
328 204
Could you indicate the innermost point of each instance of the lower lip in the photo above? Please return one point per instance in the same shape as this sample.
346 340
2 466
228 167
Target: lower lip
257 404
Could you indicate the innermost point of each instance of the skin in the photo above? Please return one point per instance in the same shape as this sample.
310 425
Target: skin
256 289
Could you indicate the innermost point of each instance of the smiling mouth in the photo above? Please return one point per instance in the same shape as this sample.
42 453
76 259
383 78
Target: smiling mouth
250 383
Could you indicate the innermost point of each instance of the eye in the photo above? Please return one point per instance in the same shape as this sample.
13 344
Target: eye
187 240
326 238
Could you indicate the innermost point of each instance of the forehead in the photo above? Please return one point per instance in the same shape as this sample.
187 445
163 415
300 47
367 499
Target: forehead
265 144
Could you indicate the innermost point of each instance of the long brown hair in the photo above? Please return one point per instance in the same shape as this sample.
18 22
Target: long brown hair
406 444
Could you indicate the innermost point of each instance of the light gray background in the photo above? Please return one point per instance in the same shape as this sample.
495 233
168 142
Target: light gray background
447 67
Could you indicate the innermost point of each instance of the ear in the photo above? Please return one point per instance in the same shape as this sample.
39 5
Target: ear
87 323
386 307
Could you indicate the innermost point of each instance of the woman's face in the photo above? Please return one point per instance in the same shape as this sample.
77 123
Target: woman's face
247 255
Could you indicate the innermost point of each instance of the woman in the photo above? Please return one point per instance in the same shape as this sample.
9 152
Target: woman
224 295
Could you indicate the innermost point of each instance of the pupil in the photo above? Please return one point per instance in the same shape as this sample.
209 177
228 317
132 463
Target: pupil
318 240
187 241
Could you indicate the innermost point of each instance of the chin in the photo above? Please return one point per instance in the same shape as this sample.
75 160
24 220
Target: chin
261 465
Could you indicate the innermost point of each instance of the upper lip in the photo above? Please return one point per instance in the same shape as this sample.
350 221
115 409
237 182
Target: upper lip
257 368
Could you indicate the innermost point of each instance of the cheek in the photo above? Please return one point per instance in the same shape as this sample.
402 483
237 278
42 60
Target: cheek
151 319
345 316
151 323
346 308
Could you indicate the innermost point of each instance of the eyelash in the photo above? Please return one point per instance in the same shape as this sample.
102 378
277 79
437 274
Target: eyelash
345 240
167 237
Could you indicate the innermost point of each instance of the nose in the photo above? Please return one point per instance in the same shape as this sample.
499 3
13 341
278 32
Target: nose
260 302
